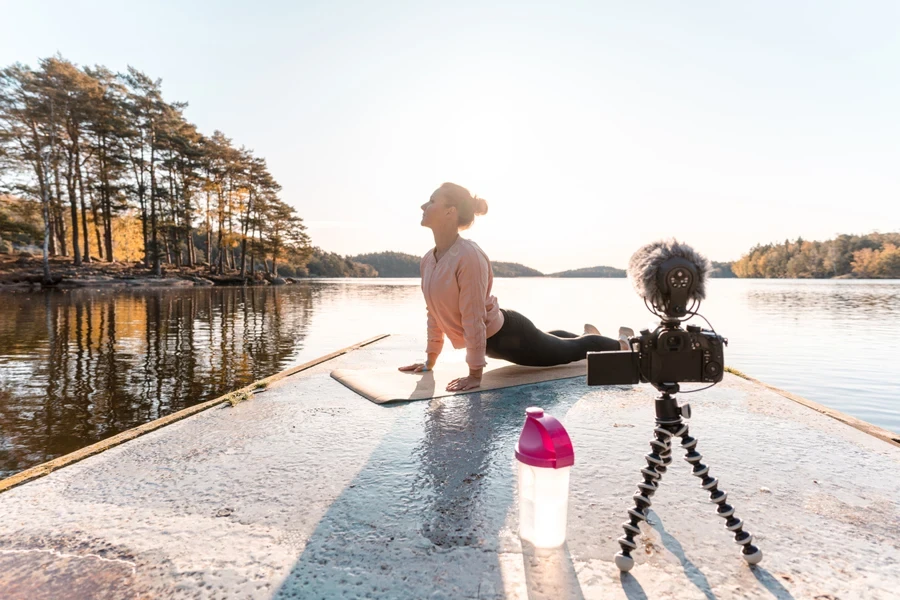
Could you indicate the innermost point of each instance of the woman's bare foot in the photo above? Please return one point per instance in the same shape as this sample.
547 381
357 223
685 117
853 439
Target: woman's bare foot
625 335
590 329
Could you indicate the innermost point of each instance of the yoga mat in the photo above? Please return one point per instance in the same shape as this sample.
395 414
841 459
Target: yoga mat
390 385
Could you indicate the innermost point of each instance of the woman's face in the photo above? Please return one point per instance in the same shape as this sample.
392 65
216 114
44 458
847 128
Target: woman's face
435 213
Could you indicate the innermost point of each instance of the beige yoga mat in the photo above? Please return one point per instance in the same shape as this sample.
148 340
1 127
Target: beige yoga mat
390 385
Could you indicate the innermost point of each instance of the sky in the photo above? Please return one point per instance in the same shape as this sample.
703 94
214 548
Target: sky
591 128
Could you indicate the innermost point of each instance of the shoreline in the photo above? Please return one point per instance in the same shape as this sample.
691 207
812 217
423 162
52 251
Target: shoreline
25 273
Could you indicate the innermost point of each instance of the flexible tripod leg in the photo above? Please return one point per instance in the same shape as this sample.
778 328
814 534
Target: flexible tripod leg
749 552
657 461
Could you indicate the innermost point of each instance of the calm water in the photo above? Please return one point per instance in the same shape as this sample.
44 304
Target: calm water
79 366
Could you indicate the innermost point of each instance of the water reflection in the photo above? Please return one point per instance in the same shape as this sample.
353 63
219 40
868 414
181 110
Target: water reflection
864 300
80 366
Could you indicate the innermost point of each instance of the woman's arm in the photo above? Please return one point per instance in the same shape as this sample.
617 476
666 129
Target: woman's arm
435 338
434 335
473 279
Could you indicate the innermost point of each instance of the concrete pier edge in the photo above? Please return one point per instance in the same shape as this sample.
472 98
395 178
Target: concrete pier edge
48 467
864 426
135 432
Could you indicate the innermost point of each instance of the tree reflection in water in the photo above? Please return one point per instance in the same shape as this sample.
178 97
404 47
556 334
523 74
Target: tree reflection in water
80 366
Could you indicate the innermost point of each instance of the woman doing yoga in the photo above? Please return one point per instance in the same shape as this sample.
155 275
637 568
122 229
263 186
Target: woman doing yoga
456 281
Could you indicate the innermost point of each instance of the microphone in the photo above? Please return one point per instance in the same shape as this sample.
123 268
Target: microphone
669 275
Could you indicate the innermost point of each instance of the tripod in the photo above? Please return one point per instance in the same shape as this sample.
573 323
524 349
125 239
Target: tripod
669 423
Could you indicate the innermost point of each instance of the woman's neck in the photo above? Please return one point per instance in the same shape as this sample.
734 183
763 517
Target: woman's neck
443 240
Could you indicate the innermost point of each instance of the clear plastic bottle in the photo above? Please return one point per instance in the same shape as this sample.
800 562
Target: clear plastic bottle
545 457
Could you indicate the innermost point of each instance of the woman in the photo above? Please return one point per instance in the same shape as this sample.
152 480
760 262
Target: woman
456 282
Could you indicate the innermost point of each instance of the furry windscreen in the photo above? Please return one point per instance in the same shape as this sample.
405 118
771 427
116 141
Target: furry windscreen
643 268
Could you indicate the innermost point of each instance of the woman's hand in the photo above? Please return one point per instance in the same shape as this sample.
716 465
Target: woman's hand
469 382
430 360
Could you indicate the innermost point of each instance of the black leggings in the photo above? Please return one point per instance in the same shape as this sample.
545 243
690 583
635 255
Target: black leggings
520 342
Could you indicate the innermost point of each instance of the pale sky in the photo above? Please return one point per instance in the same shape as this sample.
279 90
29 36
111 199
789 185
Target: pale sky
591 128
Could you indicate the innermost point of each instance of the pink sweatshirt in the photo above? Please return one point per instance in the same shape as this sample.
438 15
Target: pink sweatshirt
458 299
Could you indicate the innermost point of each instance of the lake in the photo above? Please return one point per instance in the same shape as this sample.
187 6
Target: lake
82 365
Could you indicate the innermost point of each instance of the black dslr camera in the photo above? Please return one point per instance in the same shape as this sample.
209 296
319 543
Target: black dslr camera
667 354
671 278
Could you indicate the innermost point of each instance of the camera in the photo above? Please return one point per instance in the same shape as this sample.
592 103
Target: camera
671 278
668 354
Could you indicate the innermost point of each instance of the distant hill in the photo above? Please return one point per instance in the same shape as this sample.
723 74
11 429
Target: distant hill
398 264
329 264
391 264
508 269
591 272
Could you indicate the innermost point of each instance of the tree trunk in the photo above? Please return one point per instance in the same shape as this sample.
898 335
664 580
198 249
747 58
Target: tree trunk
208 235
51 226
221 256
48 219
73 205
84 223
244 256
58 210
171 231
244 227
96 215
106 202
59 219
142 193
41 171
231 263
154 243
107 228
252 253
188 220
144 220
45 212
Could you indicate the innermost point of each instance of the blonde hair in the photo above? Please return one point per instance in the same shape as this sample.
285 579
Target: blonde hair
467 205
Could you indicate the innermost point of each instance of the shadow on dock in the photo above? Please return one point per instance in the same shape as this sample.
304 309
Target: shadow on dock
425 516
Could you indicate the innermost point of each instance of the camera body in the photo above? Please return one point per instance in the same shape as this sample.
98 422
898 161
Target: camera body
666 355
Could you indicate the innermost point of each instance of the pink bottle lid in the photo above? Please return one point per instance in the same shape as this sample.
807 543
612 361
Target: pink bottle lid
544 442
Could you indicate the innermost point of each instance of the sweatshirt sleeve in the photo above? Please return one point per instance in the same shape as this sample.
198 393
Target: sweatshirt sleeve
435 335
472 277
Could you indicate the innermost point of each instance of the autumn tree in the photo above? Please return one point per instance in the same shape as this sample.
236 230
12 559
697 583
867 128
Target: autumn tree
29 128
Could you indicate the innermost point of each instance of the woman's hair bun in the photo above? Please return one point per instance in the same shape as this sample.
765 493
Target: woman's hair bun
480 206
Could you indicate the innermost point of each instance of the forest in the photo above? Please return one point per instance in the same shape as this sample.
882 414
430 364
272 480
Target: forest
871 256
92 151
